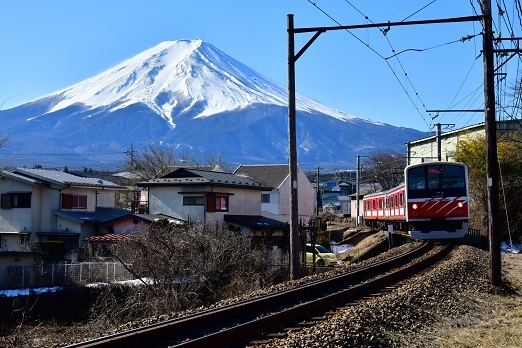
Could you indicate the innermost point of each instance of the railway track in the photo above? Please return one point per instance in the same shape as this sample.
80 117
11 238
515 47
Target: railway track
251 321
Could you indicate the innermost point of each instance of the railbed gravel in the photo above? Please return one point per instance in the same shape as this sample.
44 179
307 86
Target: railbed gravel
444 294
406 317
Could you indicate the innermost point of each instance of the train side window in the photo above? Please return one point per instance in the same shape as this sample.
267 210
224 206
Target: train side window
402 199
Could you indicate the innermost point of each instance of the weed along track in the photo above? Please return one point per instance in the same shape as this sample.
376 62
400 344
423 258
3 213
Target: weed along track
253 321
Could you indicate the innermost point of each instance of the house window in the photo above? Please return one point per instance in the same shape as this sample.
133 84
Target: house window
222 203
265 198
74 201
217 203
16 200
193 200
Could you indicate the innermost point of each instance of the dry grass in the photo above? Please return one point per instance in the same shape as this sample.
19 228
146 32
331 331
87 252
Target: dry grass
498 319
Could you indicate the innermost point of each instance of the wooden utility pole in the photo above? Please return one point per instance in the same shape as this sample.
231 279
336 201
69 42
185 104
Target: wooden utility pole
292 156
492 169
357 188
317 193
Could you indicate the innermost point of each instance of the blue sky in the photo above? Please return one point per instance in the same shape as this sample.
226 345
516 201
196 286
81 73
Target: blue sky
47 46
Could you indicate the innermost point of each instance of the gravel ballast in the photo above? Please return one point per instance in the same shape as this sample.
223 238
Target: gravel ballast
445 295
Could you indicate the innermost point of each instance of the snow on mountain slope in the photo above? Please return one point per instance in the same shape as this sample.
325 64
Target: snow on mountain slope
194 98
174 77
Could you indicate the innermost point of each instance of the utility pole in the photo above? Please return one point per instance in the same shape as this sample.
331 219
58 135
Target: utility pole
292 58
439 134
318 197
357 188
131 153
492 170
292 157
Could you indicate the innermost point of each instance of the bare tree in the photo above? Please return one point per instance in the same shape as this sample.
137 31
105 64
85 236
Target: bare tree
182 267
151 161
384 168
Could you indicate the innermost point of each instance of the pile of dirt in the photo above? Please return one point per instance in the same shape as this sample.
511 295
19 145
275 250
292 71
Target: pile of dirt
365 245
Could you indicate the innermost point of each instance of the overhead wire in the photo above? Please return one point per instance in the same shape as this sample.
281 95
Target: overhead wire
377 53
384 32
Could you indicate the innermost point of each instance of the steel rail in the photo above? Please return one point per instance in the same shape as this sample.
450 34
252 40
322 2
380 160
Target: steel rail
232 323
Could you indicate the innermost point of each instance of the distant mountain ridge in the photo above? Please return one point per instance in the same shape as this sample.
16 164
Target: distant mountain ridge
190 95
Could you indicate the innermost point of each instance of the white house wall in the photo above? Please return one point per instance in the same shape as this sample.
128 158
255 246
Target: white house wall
16 219
305 196
105 198
128 226
49 202
89 192
10 242
167 200
427 150
273 206
67 225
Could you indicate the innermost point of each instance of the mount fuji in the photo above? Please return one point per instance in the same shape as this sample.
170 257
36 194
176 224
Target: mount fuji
190 95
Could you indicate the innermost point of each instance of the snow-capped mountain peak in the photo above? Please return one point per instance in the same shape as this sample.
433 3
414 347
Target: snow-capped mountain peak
182 77
189 96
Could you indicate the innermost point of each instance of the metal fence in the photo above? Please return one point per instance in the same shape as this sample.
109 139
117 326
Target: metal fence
60 274
472 238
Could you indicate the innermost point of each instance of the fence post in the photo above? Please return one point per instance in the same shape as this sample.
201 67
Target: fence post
52 274
81 268
23 277
107 271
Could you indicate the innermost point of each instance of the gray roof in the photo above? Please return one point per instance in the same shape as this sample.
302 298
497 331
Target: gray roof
62 178
272 175
98 216
186 177
256 221
20 178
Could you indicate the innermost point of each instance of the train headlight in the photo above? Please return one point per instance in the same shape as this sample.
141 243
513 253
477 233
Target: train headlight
414 206
460 204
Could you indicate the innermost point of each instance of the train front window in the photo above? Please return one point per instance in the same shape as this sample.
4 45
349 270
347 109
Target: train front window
416 179
437 180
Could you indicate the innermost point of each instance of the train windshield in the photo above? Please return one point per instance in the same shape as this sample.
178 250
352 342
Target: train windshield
436 180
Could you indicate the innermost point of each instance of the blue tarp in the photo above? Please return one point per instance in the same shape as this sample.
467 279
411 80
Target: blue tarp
508 248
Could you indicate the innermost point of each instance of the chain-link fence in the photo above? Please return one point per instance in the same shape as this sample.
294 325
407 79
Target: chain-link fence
35 276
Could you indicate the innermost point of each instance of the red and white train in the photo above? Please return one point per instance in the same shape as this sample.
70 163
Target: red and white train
432 203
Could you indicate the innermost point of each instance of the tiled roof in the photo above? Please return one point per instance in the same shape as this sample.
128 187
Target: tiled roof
19 177
270 175
98 216
185 176
62 178
109 237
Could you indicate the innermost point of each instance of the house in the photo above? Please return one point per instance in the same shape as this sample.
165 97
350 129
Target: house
427 149
277 201
335 203
216 198
40 205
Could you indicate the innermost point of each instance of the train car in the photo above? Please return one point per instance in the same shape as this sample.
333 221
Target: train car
386 207
437 200
432 203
